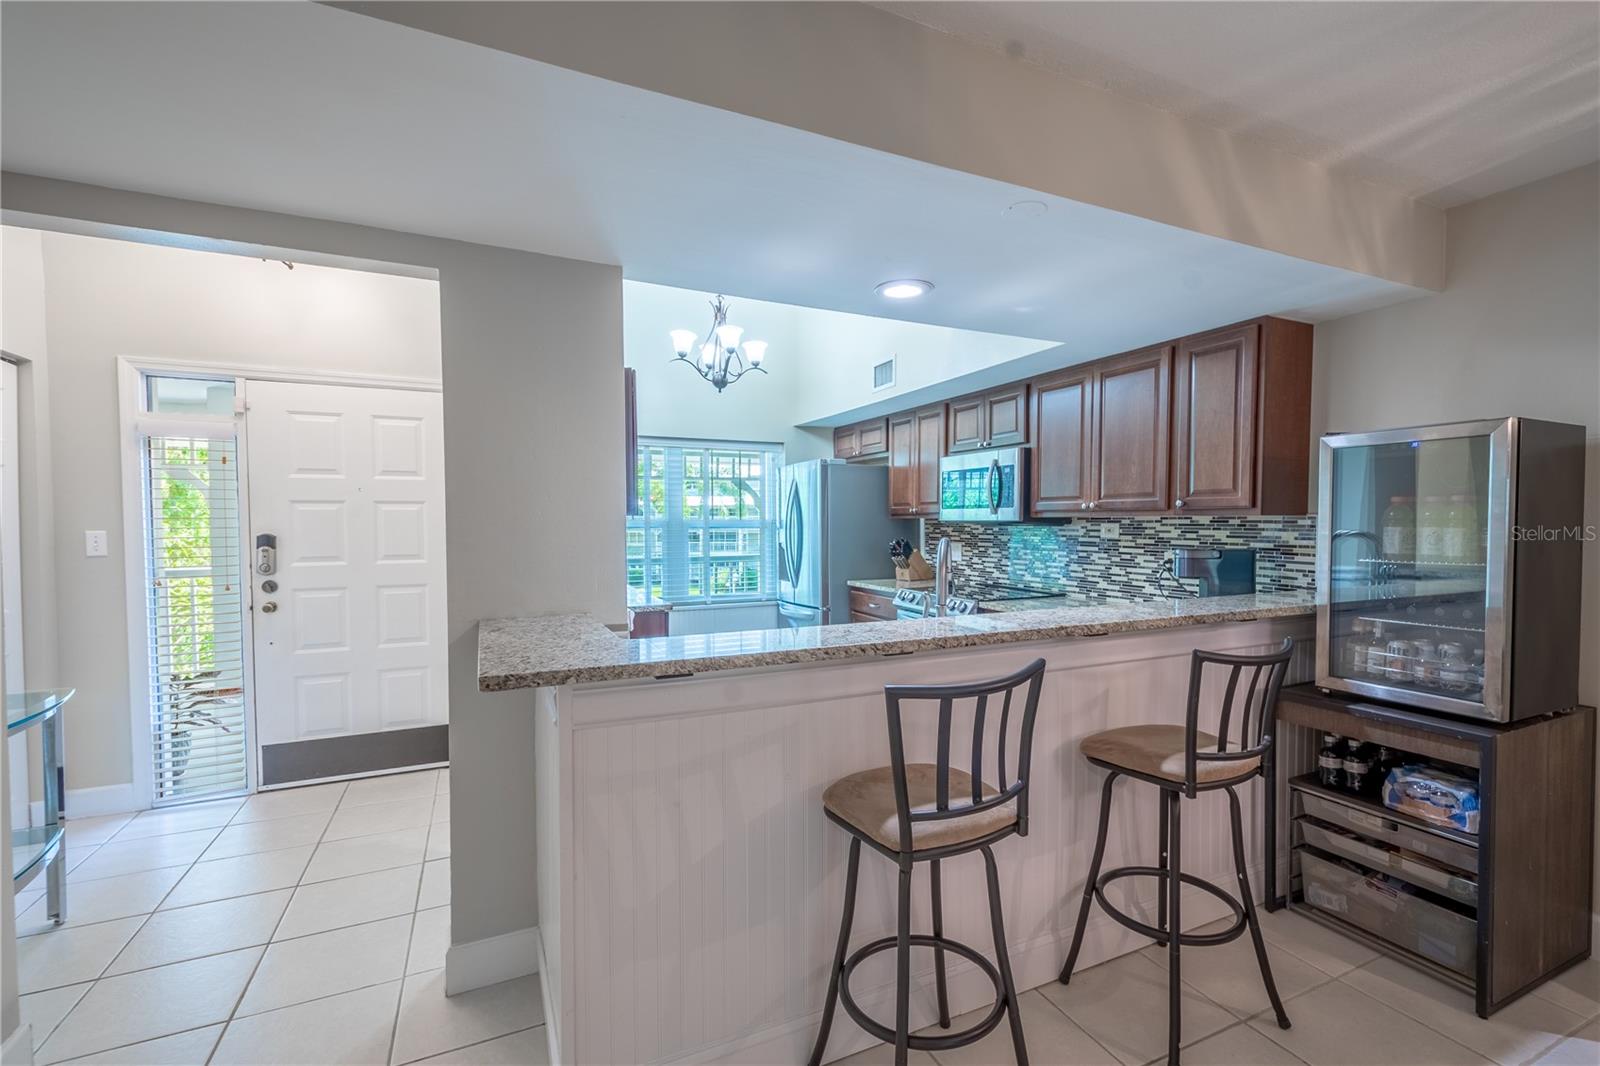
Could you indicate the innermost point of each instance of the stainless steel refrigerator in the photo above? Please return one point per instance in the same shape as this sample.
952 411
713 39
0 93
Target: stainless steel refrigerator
834 526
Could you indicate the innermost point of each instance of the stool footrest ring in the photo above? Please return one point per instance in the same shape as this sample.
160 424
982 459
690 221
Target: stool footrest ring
943 1042
1221 936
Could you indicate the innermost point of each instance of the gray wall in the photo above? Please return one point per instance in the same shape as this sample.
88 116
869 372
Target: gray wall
532 363
1515 332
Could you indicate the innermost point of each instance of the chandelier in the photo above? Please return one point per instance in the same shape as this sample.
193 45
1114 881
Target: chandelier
720 358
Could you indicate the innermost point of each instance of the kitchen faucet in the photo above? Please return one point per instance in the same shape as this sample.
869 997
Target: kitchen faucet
941 578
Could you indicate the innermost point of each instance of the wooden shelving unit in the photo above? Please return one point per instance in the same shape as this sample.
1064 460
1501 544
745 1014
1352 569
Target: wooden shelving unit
1534 849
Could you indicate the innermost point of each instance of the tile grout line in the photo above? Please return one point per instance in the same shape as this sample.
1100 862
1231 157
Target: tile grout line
1432 1029
112 961
299 881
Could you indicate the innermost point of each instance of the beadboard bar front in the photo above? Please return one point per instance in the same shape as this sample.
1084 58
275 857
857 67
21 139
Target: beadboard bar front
690 887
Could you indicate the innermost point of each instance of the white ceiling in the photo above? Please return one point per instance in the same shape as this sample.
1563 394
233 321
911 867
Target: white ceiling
313 111
1448 102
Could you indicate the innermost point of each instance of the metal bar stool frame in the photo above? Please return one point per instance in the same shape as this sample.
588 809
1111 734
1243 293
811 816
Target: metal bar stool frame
906 856
1252 745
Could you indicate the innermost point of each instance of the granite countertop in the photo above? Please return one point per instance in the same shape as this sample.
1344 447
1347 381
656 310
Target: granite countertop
575 648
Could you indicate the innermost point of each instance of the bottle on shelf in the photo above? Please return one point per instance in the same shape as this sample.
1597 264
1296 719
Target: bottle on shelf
1376 651
1459 541
1357 766
1430 529
1399 529
1353 650
1330 761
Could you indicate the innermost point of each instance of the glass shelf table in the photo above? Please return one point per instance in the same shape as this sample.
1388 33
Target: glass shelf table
42 847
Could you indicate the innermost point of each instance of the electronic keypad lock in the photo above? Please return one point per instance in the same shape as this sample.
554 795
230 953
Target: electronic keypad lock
266 553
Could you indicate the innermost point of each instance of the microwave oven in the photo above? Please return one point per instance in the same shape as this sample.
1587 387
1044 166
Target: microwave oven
984 486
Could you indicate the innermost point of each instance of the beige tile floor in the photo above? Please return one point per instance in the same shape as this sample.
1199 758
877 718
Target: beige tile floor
309 926
1347 1005
304 926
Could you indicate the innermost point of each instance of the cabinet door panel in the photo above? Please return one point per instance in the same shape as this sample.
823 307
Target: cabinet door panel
1006 416
1132 431
903 464
845 444
872 438
930 449
1214 433
1063 419
968 425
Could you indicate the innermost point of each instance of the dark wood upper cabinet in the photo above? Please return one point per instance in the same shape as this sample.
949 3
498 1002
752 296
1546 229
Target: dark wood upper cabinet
1242 419
1214 420
916 444
967 424
994 419
1132 431
1063 424
872 438
863 440
903 464
846 442
1006 416
930 449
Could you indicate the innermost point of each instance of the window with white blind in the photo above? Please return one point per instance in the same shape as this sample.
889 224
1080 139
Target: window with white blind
195 605
706 528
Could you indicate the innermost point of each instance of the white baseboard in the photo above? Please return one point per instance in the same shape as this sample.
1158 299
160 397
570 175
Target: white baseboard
489 961
92 802
552 1024
18 1047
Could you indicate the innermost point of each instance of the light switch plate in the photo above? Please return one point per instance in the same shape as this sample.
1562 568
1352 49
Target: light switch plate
1110 531
94 543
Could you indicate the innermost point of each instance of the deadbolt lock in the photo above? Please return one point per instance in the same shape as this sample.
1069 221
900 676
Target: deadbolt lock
269 585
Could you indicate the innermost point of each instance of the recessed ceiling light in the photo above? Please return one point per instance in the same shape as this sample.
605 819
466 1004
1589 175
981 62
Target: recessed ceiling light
1025 209
904 289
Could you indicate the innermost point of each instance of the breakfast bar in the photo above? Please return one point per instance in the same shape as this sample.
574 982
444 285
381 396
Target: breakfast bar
689 887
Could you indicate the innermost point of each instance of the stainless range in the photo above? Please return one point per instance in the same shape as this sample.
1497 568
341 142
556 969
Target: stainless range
918 603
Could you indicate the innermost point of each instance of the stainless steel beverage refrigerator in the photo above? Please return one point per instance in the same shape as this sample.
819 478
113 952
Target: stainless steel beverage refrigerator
1449 566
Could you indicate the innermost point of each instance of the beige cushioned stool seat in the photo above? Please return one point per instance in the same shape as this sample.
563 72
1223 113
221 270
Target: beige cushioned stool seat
866 801
1158 751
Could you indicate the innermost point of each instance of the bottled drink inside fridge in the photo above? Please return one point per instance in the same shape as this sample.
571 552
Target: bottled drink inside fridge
1430 529
1400 529
1460 540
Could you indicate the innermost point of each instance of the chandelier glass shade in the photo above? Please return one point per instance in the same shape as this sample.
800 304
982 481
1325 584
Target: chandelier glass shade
723 356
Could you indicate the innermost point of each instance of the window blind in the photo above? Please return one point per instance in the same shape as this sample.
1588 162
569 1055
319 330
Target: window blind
706 528
195 604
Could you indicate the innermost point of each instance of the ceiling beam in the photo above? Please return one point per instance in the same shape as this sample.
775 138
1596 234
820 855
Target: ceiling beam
861 75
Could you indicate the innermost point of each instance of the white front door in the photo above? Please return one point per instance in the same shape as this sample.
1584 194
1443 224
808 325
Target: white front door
349 629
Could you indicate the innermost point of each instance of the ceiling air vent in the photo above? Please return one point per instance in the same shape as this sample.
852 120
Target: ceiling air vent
883 375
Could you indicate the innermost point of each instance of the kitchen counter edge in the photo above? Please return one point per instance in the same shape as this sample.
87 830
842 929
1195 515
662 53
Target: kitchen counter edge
568 649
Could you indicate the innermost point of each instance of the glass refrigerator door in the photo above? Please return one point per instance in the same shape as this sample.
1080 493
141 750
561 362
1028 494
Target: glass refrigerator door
1409 561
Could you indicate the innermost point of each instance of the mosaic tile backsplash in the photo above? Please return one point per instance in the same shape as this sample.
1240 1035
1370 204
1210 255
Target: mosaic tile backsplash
1118 558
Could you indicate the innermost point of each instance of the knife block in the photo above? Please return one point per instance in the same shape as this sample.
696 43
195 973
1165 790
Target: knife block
916 569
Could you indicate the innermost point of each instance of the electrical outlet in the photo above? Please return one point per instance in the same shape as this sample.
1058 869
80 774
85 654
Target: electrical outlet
94 543
1110 530
955 551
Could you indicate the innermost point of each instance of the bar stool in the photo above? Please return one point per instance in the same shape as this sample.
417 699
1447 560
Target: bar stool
905 812
1183 762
